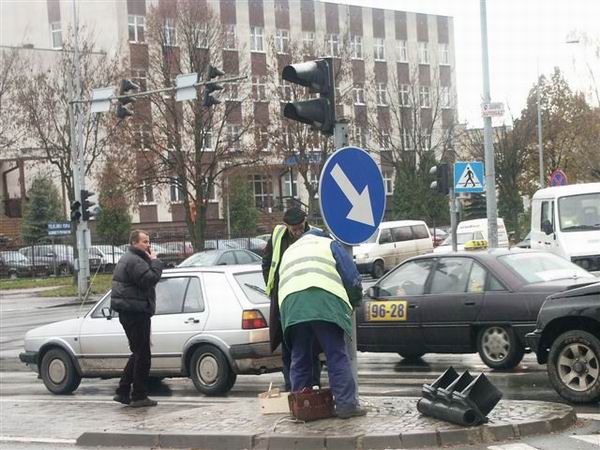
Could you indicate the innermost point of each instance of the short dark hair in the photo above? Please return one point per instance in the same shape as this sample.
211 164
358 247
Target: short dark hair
134 236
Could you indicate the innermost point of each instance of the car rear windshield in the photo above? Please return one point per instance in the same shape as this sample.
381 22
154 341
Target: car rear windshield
253 285
539 267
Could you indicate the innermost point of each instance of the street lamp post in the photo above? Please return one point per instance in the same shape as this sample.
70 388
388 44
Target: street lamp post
539 132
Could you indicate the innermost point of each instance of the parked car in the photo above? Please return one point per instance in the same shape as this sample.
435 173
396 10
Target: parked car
253 244
567 339
438 236
59 257
473 230
525 243
211 324
464 302
221 258
109 256
15 264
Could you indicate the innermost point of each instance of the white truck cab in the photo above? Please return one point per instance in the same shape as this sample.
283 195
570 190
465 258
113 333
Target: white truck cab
566 220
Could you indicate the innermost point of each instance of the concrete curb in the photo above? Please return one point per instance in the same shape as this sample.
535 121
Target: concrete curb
487 433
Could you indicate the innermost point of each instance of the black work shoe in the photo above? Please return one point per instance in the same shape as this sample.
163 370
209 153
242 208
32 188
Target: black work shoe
352 413
125 399
143 403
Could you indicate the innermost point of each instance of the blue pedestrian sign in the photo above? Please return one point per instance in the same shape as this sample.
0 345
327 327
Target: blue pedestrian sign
468 177
351 195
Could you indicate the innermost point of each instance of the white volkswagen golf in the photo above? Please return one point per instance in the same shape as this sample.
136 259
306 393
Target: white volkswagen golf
210 325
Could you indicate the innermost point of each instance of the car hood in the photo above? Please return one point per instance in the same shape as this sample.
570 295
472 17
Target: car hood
557 287
363 248
577 291
56 329
581 243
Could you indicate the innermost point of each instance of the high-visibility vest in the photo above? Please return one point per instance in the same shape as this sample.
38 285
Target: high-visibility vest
309 262
276 238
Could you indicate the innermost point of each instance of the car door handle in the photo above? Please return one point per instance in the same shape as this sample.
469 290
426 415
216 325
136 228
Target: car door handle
413 306
470 303
192 320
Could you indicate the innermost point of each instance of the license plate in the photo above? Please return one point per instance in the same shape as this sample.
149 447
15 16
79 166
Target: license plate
386 310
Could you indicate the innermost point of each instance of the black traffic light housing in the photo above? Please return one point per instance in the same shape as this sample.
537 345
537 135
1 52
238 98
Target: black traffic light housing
75 211
86 204
318 77
207 99
122 110
441 175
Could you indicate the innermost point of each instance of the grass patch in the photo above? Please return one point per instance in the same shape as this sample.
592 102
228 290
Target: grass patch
25 283
100 284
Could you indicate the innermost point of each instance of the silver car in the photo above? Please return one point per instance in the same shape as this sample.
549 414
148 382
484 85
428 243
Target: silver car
210 325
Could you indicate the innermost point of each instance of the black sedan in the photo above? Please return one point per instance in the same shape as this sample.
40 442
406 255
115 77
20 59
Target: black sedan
464 302
220 258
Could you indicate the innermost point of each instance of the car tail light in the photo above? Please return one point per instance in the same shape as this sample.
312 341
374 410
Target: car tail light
253 318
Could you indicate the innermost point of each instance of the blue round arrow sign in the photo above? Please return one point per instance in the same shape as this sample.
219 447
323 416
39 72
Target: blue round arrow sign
351 195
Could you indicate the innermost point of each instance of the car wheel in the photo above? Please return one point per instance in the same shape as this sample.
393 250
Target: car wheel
499 348
574 366
64 270
411 356
378 269
210 371
58 372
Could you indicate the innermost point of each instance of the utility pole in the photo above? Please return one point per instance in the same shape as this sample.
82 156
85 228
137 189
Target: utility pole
490 175
539 130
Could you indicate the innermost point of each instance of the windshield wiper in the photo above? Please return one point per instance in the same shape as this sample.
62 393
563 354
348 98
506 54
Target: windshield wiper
256 288
582 227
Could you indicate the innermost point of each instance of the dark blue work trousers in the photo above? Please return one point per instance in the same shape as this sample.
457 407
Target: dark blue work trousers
286 357
331 338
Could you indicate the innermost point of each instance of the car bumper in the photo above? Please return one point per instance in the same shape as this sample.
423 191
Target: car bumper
255 358
31 359
364 267
533 342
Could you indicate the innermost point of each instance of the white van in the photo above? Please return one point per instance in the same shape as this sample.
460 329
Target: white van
565 220
473 230
391 244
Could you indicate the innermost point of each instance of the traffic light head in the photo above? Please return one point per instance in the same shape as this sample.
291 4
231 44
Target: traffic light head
126 86
87 204
207 99
318 77
75 211
441 183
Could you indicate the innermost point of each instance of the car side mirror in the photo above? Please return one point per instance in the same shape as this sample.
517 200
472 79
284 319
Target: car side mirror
50 255
547 227
374 292
106 313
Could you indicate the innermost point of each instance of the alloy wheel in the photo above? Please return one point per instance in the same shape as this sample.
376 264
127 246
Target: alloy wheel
496 343
578 367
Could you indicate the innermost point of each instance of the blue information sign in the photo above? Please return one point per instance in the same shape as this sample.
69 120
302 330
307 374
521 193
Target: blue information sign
558 178
59 228
351 195
468 177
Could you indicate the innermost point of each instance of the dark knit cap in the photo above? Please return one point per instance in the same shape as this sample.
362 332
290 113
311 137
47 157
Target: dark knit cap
294 216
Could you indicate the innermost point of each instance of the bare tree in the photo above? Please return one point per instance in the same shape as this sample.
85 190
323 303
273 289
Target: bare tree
10 130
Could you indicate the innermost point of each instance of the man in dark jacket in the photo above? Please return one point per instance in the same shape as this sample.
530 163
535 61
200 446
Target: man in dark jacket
295 225
133 296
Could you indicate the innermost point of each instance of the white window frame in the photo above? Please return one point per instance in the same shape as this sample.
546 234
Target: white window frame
231 91
423 53
381 94
282 41
170 33
232 133
356 46
230 38
147 188
259 88
135 22
445 97
286 92
402 50
290 186
262 139
358 94
332 44
385 140
308 42
388 181
264 195
424 96
444 54
256 39
425 138
314 179
207 143
202 33
379 49
175 191
404 94
56 34
360 136
406 139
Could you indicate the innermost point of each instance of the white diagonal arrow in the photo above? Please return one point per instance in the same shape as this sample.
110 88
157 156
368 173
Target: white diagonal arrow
361 203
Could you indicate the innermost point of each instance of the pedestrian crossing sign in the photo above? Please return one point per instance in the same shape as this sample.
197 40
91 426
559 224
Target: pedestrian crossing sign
468 177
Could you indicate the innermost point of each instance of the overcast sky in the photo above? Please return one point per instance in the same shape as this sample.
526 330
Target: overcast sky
521 34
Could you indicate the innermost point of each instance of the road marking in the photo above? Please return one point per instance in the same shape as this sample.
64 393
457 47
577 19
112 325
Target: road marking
593 439
512 447
37 440
588 416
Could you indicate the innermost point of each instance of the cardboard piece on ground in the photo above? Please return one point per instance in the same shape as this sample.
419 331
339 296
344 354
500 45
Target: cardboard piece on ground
274 401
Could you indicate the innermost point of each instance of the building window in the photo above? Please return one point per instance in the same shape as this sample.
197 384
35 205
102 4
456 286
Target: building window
282 41
286 92
136 28
288 138
405 139
289 185
404 95
262 139
262 191
381 94
146 192
176 191
444 54
423 53
170 33
379 49
207 140
140 77
259 89
385 141
425 140
332 42
356 47
388 181
359 94
360 136
201 35
56 35
445 97
256 39
308 42
402 51
424 97
314 180
230 41
231 91
233 134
